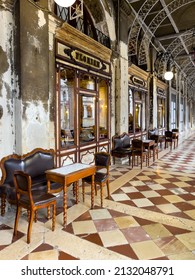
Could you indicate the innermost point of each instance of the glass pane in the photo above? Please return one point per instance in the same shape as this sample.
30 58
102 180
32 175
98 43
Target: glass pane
173 111
87 82
182 114
138 117
103 110
161 115
130 111
67 107
87 118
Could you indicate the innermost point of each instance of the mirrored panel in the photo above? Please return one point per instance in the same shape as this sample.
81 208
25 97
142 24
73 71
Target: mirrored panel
87 82
160 113
130 111
87 118
103 109
67 101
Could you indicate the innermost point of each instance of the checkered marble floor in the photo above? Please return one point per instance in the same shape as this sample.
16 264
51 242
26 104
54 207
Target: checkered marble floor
150 216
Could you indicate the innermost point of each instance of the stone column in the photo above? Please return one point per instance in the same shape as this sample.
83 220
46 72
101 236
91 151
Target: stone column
32 128
8 78
121 97
122 90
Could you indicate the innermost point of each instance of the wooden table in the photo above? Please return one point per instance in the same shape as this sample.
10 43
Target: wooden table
147 144
67 175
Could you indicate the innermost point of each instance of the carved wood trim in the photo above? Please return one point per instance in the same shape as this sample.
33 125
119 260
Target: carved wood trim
74 37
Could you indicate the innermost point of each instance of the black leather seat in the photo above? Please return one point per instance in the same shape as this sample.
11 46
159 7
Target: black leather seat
121 147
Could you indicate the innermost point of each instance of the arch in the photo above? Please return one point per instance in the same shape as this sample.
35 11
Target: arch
136 26
155 23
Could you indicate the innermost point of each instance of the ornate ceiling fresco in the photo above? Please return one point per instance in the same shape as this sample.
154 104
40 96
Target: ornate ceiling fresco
168 25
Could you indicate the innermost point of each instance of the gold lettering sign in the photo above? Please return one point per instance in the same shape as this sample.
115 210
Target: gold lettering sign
86 59
137 81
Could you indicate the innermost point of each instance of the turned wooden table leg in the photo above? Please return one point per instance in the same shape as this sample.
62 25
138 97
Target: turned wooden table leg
77 191
92 192
65 205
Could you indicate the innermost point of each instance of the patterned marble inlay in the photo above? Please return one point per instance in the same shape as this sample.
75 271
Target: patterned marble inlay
150 215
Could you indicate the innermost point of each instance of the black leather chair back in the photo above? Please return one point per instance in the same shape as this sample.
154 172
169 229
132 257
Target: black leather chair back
102 159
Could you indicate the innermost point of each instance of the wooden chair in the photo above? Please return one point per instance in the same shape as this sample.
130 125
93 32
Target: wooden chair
152 132
3 199
156 138
176 134
138 150
121 147
169 138
101 178
30 201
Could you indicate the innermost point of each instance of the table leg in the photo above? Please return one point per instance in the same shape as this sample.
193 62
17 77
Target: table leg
154 150
48 186
92 192
65 205
48 190
77 191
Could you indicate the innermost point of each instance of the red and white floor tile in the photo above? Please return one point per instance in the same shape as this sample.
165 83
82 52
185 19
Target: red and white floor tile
150 215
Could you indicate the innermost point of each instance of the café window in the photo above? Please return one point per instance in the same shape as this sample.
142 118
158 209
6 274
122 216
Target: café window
87 118
87 82
131 126
67 101
182 114
138 117
173 111
161 113
136 111
103 109
83 108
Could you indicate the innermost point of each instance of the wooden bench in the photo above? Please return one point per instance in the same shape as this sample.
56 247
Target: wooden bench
34 163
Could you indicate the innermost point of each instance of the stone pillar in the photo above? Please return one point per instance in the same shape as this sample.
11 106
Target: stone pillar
8 78
121 97
122 91
33 105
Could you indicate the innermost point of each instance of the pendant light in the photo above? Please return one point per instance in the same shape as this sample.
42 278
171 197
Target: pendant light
65 3
168 73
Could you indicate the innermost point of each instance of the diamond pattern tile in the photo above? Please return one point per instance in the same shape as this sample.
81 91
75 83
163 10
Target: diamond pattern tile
150 215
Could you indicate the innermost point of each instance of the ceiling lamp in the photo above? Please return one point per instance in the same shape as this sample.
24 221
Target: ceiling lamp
166 60
65 3
168 75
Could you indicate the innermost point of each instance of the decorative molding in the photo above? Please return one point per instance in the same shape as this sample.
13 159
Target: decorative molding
161 92
136 71
138 77
74 37
161 85
78 58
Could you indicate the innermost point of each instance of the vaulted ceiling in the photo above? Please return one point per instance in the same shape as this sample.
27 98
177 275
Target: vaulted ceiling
168 25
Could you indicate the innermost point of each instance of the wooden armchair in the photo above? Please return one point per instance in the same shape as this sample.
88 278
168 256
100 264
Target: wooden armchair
102 162
121 147
176 135
31 201
138 150
169 138
152 132
154 148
